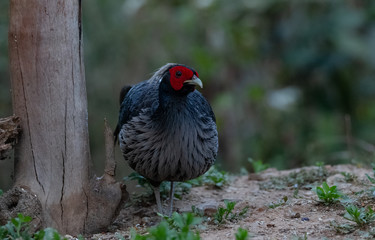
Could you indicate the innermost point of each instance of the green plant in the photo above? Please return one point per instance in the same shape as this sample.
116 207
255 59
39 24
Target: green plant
328 194
349 177
321 167
16 228
142 181
361 216
183 221
227 212
179 226
258 165
19 228
296 191
242 234
222 213
279 203
343 228
319 164
80 237
198 212
212 177
1 192
371 179
50 234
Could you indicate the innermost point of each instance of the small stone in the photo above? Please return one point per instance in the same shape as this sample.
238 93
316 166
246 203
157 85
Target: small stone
296 215
260 222
255 177
208 209
261 209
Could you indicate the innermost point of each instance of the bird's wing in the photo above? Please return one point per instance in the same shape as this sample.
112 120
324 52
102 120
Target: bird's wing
134 100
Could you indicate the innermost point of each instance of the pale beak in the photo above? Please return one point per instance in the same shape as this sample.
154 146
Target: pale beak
195 81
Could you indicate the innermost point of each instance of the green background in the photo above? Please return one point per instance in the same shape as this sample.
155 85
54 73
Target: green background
291 82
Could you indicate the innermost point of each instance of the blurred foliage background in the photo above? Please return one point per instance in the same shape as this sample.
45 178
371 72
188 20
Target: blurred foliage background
291 82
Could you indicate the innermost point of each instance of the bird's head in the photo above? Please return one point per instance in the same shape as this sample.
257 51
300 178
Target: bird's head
181 79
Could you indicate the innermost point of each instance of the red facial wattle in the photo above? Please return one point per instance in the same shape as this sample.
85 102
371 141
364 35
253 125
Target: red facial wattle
178 75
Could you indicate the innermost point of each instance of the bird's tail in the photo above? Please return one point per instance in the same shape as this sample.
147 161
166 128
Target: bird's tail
123 92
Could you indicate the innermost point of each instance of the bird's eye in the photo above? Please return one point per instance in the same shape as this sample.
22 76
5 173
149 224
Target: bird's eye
178 74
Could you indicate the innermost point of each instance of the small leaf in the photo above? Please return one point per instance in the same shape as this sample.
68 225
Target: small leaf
178 220
320 192
372 180
161 231
325 187
242 234
15 222
243 211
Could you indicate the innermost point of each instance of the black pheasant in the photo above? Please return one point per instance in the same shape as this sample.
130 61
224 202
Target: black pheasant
167 129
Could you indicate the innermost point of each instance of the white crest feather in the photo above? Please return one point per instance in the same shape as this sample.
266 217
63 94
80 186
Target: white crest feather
158 74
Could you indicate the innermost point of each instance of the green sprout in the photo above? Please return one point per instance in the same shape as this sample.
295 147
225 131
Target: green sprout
349 177
212 177
242 234
16 228
328 194
319 164
19 228
258 165
198 212
227 212
279 203
179 226
361 216
371 179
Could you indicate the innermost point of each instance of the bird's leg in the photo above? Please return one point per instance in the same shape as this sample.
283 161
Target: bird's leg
171 195
157 196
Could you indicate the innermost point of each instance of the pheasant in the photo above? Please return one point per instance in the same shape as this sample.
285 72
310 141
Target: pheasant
167 129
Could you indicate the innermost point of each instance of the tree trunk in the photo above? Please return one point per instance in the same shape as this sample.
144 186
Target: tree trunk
52 159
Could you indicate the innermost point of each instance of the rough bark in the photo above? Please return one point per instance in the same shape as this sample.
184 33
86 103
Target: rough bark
52 159
9 130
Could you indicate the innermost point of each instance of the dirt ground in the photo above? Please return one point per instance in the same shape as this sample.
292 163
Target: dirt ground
281 206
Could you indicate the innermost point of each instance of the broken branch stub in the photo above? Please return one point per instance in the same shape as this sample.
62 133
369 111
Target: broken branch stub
105 190
9 131
110 163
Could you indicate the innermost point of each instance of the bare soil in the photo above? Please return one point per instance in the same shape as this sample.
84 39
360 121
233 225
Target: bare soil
281 205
